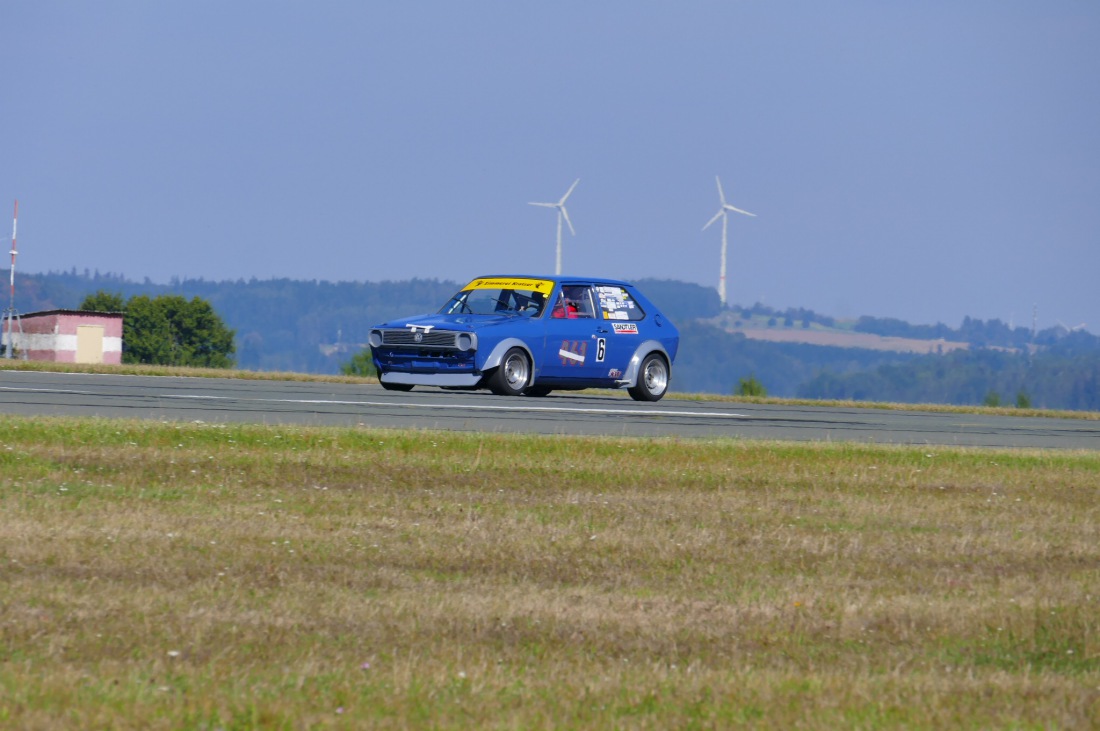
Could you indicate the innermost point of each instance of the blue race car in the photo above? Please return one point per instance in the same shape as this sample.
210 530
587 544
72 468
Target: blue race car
531 335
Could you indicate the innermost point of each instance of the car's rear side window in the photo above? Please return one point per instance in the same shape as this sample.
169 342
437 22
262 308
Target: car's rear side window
617 304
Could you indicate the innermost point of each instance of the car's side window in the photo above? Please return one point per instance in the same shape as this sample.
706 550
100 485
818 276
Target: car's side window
558 311
574 302
617 304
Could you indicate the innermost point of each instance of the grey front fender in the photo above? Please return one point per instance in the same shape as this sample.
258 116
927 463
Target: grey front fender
496 355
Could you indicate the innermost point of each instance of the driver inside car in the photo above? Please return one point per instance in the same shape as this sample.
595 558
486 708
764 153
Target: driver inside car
567 305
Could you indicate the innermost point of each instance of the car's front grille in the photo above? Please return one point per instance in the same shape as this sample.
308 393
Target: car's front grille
420 339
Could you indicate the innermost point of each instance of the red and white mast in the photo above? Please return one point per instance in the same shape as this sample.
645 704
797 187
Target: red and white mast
14 229
10 313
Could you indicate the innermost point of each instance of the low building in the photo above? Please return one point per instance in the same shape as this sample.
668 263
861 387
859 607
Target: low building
66 336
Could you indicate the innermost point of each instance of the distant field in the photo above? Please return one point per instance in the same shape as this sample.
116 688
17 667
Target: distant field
841 339
198 576
756 328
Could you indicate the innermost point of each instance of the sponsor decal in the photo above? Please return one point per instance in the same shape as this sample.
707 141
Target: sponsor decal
614 298
601 349
573 352
614 373
535 285
625 328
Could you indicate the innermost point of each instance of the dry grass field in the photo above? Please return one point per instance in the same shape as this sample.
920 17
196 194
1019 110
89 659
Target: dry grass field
841 339
841 336
166 576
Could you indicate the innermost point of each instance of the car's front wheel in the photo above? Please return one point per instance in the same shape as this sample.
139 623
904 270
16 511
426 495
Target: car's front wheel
511 377
653 379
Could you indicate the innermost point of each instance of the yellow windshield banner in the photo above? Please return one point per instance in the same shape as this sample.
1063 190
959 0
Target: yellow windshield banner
535 285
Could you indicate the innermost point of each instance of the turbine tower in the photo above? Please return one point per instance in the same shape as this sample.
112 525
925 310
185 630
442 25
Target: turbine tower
723 213
562 213
11 315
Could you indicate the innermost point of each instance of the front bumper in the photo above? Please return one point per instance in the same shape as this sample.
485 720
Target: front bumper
454 380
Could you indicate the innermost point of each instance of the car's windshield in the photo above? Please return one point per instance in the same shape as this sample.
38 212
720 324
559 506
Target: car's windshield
500 296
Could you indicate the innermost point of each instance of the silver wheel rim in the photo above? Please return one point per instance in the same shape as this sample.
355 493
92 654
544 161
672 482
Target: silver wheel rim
655 376
515 371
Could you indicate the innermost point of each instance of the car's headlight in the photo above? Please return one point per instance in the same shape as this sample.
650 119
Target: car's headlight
376 338
466 341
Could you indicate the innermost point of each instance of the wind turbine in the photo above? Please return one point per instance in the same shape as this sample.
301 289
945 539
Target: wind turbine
1071 329
723 213
562 213
11 314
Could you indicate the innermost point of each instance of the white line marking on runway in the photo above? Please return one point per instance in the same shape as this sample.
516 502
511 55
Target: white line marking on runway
477 407
393 404
47 390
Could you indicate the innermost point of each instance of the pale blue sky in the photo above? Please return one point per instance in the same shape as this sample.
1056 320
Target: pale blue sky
917 160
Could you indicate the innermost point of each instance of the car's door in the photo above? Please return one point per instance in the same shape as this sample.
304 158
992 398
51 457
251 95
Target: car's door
580 340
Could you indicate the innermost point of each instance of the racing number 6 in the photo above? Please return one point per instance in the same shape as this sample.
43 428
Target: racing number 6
601 349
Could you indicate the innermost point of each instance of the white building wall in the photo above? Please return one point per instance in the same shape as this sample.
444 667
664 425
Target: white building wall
39 341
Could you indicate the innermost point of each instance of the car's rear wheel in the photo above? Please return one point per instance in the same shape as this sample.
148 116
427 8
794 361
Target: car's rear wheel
396 386
653 379
510 378
537 391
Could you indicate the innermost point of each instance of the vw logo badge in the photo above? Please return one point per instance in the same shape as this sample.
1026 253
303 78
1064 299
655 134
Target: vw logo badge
418 336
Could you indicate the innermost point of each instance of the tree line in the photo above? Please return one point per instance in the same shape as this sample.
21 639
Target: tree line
1063 377
289 325
980 333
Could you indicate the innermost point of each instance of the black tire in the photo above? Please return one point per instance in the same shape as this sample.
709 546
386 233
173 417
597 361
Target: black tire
538 391
396 386
511 377
653 378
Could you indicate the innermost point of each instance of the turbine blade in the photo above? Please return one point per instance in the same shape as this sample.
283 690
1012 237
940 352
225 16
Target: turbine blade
544 205
721 194
721 212
728 207
565 214
568 192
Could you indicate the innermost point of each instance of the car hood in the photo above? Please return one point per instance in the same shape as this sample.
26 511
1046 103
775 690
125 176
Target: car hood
452 322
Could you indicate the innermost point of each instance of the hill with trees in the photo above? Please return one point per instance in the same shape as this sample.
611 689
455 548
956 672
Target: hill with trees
280 324
1066 375
318 327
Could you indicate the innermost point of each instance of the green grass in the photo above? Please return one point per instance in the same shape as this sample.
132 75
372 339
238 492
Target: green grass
201 576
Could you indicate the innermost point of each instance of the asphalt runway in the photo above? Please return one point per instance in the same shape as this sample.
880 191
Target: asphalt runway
225 400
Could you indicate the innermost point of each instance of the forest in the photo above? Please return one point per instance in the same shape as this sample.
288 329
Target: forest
1064 376
311 326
